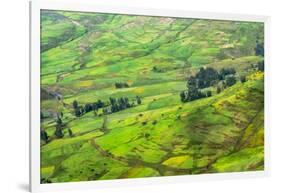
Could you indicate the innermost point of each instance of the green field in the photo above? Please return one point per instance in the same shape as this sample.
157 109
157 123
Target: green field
111 96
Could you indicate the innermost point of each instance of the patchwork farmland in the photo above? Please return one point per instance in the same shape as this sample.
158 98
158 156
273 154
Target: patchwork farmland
136 96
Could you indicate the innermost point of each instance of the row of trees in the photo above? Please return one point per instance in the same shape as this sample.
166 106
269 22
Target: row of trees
80 110
119 104
111 106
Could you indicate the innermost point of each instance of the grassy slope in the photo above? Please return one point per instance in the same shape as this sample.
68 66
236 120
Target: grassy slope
58 29
223 133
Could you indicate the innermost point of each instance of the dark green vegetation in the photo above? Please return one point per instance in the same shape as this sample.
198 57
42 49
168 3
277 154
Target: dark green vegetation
133 96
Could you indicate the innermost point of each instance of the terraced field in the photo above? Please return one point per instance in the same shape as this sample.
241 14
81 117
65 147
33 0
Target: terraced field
111 105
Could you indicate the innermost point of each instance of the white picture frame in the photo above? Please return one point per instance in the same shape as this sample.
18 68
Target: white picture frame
36 6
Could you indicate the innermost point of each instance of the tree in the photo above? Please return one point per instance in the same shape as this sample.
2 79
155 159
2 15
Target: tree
77 112
75 104
243 79
82 110
206 77
193 93
104 125
100 104
117 85
121 103
95 107
224 85
44 136
230 80
58 132
261 66
59 127
259 49
59 121
70 133
127 103
138 100
88 107
226 71
41 115
114 105
191 81
183 96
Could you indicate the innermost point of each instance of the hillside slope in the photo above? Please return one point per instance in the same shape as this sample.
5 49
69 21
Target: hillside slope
147 61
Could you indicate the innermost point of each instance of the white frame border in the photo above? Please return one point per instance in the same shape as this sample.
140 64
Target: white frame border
36 6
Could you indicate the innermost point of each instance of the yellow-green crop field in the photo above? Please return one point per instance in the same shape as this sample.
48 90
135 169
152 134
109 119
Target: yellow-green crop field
111 103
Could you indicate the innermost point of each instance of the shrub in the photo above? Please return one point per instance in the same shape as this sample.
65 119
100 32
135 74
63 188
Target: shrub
144 123
121 85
